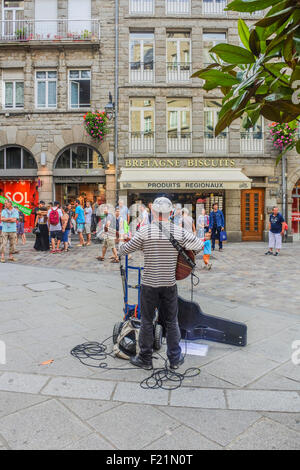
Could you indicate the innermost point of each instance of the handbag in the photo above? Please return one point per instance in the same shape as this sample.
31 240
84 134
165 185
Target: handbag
36 230
223 236
186 258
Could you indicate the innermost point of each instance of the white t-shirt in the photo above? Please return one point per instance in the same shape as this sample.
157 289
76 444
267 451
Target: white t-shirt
88 211
54 228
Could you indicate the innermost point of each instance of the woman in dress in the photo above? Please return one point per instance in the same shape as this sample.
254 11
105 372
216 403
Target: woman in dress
42 238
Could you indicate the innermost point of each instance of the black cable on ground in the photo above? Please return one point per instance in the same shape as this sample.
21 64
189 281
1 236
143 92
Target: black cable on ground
161 378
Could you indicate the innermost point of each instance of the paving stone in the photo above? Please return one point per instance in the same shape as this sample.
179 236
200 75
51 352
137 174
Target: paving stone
11 402
79 388
198 398
44 426
267 435
87 409
45 286
221 426
91 442
183 438
290 371
23 383
124 427
290 420
263 400
273 381
133 393
240 368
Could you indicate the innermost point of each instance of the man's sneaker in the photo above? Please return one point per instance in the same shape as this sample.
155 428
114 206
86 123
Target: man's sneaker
276 254
136 361
175 365
269 252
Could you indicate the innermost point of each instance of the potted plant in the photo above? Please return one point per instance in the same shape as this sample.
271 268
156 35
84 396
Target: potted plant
95 124
21 34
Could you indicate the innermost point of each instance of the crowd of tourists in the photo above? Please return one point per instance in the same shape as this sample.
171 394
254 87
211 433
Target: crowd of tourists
55 224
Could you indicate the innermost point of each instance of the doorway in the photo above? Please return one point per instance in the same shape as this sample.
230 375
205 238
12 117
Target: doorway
252 214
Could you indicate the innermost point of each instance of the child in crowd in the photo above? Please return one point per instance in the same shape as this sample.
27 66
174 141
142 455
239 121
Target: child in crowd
207 251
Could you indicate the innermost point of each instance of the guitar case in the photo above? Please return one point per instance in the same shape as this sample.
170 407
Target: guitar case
195 324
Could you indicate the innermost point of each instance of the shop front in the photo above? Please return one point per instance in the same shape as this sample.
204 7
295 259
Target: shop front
18 179
296 212
193 187
79 173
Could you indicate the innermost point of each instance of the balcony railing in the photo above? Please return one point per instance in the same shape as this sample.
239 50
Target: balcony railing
141 7
178 7
214 144
252 142
142 142
254 14
214 7
141 72
179 142
50 30
178 72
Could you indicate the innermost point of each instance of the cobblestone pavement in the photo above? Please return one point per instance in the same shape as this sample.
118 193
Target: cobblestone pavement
244 398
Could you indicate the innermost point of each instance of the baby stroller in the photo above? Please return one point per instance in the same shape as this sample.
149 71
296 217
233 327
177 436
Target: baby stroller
133 311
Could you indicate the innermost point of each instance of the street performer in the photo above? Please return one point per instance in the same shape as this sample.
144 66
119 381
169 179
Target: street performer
159 282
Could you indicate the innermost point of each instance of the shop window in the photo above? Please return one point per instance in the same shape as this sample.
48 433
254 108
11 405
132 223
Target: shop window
79 157
16 158
79 88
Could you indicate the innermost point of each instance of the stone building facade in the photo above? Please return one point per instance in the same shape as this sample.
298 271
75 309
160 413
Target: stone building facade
166 157
41 110
165 119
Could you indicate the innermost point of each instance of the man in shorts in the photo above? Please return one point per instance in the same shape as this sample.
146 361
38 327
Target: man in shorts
276 231
88 212
109 236
54 225
9 218
80 222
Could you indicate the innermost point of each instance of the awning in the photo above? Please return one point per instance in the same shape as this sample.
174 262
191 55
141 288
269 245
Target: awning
183 179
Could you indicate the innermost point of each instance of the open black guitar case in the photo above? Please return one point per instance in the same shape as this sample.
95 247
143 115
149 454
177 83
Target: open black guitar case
195 324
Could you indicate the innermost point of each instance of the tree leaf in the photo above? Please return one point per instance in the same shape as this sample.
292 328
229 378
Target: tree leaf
278 158
288 48
279 18
250 6
298 146
223 79
244 33
233 54
271 112
254 43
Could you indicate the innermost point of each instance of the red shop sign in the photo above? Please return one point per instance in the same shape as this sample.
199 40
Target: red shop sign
295 216
25 193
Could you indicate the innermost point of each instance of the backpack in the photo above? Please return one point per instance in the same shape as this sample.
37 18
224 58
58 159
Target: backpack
127 341
54 217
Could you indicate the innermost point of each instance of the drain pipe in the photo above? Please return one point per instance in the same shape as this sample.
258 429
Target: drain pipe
283 171
116 142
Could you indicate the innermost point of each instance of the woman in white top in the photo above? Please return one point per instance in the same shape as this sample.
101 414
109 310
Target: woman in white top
187 221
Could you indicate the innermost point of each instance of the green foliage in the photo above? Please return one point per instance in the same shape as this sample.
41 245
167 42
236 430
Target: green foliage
264 72
95 124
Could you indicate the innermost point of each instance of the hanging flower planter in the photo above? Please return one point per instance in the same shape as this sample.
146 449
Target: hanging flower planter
95 124
283 135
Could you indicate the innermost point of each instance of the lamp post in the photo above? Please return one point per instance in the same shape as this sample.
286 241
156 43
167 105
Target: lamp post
111 112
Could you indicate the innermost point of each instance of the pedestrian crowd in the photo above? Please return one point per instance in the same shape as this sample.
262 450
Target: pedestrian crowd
55 223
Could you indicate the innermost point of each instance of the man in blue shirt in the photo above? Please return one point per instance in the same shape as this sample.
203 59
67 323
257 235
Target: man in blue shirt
80 221
216 225
276 230
9 217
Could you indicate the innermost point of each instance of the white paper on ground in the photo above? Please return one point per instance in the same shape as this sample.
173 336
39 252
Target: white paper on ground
194 349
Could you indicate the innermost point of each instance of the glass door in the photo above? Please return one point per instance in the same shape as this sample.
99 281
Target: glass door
296 213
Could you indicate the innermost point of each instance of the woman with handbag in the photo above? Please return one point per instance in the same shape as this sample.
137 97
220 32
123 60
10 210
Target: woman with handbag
41 230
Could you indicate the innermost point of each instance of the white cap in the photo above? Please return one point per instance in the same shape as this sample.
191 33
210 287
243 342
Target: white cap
162 205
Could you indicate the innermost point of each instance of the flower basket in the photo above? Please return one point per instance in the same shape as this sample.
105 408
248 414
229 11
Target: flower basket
283 135
95 124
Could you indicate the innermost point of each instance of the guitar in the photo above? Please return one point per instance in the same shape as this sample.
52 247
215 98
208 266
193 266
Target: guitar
184 267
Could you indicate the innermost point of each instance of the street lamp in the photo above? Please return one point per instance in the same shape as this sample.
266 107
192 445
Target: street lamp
110 108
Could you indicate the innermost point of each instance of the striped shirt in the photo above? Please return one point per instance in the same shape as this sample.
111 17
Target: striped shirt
160 257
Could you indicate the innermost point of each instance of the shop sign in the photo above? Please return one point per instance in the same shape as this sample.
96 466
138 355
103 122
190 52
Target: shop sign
179 163
23 193
273 179
295 216
186 185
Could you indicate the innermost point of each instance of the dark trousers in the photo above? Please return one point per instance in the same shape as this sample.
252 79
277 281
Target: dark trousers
164 298
215 235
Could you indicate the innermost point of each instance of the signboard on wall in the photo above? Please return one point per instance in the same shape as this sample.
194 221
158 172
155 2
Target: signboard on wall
23 192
